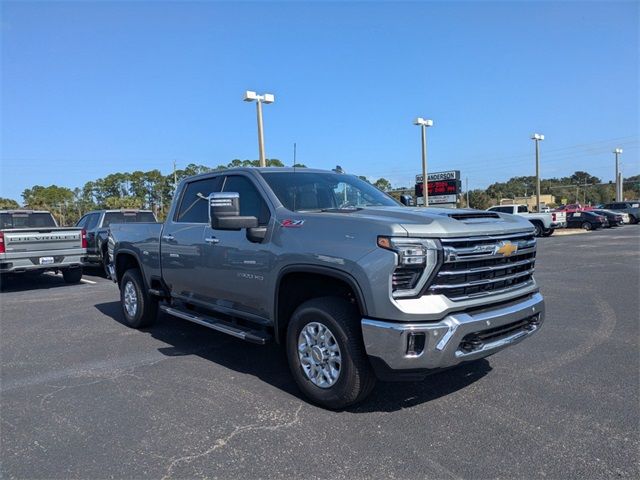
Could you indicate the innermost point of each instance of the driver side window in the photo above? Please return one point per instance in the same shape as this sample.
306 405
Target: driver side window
251 202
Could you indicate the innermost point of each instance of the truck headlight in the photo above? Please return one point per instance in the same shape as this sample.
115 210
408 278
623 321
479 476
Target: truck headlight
417 260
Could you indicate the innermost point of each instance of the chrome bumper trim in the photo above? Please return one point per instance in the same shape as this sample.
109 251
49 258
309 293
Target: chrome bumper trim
388 340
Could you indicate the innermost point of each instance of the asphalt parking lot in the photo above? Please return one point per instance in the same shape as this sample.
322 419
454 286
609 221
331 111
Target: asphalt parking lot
84 396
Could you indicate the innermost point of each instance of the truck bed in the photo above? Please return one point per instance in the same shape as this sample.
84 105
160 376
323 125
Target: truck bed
141 240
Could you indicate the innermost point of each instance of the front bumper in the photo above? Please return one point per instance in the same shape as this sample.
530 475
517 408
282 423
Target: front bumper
457 338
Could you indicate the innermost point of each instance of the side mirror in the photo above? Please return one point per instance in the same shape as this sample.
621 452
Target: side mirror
407 200
224 212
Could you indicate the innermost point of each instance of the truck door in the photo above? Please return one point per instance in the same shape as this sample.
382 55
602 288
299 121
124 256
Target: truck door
182 241
238 268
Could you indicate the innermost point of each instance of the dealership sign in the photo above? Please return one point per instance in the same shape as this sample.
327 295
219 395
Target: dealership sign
450 175
443 187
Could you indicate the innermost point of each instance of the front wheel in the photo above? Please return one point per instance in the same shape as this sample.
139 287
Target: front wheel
326 353
72 275
537 229
139 308
586 226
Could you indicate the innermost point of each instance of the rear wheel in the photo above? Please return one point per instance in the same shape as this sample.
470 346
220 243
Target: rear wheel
105 263
72 275
586 226
547 232
139 308
326 353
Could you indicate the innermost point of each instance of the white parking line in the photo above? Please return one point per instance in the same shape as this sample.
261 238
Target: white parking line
84 280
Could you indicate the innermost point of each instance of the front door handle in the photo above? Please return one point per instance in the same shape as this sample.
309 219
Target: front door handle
168 237
212 240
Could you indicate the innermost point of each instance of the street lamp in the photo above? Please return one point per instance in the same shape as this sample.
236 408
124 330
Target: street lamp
267 98
537 137
424 123
618 151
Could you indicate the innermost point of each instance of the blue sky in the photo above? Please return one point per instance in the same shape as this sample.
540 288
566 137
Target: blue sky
91 88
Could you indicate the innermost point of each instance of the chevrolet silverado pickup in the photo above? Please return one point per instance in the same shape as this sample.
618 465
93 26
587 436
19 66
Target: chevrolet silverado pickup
32 242
544 224
353 284
96 225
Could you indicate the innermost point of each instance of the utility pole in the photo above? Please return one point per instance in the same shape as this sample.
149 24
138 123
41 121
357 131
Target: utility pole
466 188
175 177
537 137
617 152
294 154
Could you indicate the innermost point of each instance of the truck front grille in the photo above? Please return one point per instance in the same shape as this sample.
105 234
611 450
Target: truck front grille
481 266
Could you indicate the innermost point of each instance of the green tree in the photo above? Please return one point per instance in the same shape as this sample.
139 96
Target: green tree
382 184
8 203
479 199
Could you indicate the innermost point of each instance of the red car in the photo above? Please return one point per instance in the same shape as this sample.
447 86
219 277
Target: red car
574 207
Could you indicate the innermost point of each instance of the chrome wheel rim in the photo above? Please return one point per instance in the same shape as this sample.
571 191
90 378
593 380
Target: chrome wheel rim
130 299
319 355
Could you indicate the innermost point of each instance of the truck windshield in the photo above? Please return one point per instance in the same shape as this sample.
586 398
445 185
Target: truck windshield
26 220
127 217
318 191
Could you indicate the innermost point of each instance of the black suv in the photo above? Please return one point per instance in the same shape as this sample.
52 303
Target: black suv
96 224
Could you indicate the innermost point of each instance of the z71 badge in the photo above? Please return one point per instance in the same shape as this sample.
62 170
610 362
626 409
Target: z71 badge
288 223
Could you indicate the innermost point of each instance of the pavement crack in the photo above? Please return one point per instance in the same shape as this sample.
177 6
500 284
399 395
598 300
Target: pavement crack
222 442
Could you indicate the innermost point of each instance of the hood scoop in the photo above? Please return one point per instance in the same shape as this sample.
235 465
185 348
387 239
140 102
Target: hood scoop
473 215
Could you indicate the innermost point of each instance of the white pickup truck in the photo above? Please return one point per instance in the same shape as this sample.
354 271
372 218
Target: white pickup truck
32 242
544 223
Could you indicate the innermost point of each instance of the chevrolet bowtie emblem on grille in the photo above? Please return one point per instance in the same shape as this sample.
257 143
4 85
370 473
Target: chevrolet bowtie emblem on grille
506 249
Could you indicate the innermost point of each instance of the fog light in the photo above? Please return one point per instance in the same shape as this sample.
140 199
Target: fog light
415 344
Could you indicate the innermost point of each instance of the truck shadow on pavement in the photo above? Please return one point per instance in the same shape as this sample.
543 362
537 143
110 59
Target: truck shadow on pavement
269 363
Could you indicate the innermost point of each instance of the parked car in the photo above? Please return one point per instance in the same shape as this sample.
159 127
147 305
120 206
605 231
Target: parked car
355 285
614 219
586 220
632 208
544 223
32 242
573 207
96 224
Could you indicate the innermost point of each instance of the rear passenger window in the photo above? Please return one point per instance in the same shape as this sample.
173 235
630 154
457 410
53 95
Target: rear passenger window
193 207
251 202
92 221
522 209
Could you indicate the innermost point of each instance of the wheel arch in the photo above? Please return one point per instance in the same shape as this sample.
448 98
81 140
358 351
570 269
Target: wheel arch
296 284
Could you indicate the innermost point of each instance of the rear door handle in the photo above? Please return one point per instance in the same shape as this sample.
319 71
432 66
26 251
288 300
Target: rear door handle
168 237
212 240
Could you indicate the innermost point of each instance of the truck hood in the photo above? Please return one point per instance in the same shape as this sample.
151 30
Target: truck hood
441 222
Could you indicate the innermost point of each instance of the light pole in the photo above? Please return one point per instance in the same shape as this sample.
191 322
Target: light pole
424 123
267 98
618 151
537 137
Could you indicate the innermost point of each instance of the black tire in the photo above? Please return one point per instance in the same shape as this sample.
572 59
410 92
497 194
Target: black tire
547 232
356 378
587 226
105 263
146 307
72 275
538 229
632 220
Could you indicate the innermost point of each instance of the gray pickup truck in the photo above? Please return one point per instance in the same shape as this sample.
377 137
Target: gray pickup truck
32 242
355 285
96 224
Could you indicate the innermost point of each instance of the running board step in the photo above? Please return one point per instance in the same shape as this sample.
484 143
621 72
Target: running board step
249 335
